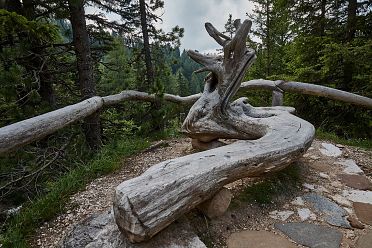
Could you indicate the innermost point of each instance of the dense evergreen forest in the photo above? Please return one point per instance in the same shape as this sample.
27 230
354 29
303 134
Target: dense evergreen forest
53 54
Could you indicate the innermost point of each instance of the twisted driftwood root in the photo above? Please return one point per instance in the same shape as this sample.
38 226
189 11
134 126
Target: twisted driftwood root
145 205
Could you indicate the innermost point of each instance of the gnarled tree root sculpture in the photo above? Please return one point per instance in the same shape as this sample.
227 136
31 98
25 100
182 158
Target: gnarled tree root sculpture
270 139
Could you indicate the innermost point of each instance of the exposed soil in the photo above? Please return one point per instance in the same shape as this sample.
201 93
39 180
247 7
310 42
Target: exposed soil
242 215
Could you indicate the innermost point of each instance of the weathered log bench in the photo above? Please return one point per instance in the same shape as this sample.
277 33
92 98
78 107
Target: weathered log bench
270 139
147 204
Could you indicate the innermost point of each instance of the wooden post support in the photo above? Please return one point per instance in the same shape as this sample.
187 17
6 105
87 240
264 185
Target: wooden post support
217 205
277 98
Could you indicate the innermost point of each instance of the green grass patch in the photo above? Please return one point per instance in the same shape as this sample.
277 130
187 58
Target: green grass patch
23 225
363 143
283 182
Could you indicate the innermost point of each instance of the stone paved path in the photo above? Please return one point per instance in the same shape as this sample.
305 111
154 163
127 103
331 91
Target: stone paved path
335 209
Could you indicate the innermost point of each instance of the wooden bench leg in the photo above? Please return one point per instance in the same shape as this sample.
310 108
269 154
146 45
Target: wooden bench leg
217 205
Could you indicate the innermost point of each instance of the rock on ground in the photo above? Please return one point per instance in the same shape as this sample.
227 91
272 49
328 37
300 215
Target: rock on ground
101 231
218 204
358 196
311 235
258 239
298 201
330 150
364 212
341 200
354 222
281 215
305 213
356 181
350 167
335 215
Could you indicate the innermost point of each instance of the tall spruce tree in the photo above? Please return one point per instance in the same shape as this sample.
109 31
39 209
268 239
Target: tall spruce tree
84 63
273 29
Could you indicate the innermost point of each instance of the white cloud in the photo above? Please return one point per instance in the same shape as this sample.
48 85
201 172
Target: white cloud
192 14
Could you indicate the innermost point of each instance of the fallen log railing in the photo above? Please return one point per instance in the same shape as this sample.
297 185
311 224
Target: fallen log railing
24 132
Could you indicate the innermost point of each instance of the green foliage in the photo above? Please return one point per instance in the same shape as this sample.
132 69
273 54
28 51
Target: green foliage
15 27
295 42
116 72
314 42
19 96
229 27
48 206
120 70
183 85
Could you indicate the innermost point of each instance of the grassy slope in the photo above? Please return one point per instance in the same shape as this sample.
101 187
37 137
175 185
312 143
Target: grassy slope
23 225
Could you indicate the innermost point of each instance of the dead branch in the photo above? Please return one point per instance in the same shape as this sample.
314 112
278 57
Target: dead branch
57 154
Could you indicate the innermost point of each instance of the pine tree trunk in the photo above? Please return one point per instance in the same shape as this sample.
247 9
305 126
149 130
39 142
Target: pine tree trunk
268 42
146 45
85 69
46 90
349 36
322 17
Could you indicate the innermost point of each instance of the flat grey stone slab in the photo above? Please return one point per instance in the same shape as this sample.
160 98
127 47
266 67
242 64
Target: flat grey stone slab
101 231
330 150
358 196
350 167
334 214
258 239
311 235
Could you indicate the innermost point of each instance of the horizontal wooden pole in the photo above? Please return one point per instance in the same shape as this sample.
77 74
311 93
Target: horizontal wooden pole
308 89
27 131
24 132
132 95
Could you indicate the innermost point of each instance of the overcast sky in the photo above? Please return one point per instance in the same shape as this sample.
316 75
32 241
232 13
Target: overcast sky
192 14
